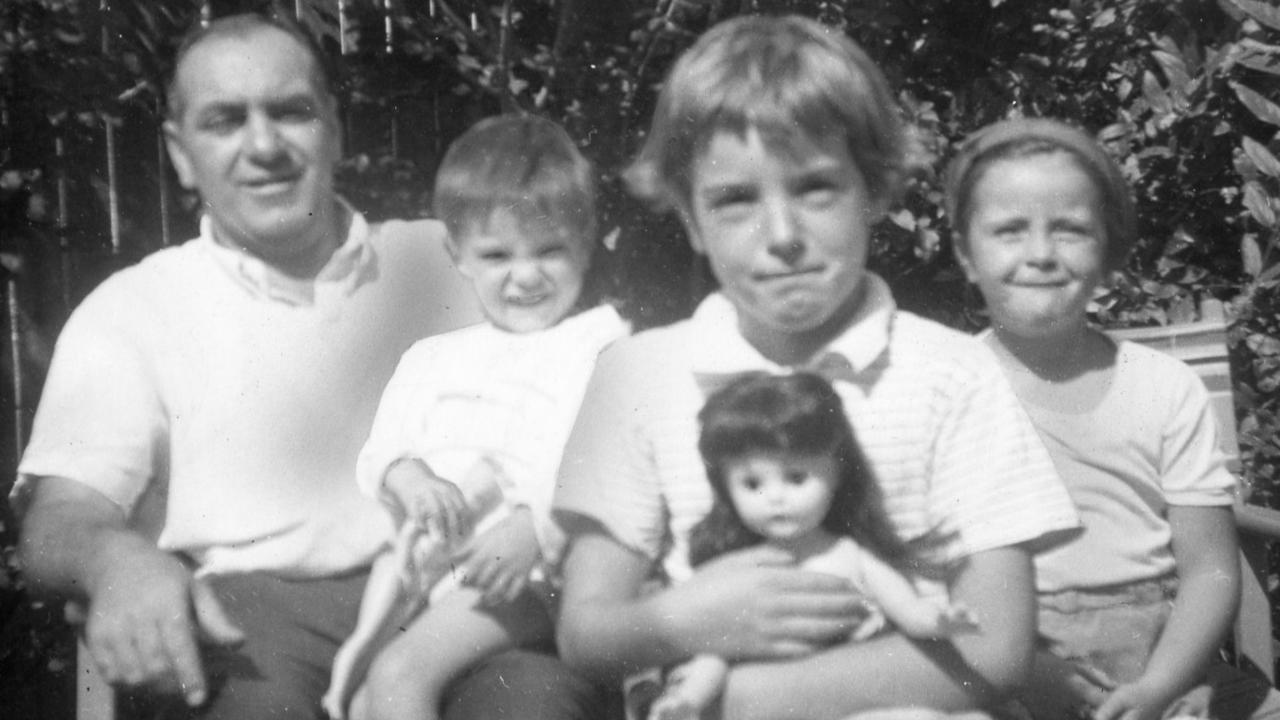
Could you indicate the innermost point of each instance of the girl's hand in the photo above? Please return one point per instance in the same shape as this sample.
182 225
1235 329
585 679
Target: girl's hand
1134 701
499 561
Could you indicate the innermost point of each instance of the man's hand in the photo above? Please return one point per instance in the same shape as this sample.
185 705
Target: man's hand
498 562
755 603
146 617
416 494
1134 701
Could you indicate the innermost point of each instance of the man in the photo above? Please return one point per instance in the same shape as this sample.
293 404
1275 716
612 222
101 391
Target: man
191 470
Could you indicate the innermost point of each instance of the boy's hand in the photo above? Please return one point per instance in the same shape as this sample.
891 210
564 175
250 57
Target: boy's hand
498 562
415 494
755 603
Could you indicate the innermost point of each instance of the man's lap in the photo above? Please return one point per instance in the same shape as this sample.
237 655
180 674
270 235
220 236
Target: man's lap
293 628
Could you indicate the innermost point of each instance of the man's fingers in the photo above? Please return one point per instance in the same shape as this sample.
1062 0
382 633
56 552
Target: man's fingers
184 658
211 619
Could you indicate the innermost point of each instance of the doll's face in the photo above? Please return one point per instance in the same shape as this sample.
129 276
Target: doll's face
782 496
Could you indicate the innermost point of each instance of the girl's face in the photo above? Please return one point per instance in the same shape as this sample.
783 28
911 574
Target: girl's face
527 276
1035 244
782 496
786 233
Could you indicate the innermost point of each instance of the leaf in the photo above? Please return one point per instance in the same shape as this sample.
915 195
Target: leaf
1157 97
1262 158
1251 254
1258 204
1260 106
1265 13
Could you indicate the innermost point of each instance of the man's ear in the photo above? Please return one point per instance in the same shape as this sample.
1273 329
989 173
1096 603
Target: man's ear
178 155
962 258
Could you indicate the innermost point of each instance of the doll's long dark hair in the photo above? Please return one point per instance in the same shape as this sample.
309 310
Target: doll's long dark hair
800 413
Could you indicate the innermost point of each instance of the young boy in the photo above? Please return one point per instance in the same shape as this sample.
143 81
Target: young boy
477 418
778 143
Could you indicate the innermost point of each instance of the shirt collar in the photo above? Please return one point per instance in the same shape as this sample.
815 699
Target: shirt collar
721 350
349 265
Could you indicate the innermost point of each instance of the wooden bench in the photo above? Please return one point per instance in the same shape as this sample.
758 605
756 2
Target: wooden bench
1203 346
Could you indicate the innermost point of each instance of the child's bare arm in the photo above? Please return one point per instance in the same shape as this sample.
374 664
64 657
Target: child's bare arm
1206 551
911 614
964 673
752 603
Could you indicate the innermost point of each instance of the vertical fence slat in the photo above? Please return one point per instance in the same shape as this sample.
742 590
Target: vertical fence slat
162 178
15 349
63 223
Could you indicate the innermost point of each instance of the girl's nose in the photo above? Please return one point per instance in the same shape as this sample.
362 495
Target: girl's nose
1040 248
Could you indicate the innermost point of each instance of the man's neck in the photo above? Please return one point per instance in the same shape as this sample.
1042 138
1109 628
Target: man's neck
301 260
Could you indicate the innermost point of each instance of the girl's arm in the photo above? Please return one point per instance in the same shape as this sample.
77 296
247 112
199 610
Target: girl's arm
1207 554
966 672
750 603
911 614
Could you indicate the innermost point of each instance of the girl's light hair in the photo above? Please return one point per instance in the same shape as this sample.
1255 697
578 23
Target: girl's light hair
521 164
789 78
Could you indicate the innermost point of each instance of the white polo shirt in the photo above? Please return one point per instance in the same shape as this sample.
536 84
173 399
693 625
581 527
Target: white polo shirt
222 404
955 455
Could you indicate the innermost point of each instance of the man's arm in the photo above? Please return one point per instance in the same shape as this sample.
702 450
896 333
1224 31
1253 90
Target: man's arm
971 670
144 607
752 603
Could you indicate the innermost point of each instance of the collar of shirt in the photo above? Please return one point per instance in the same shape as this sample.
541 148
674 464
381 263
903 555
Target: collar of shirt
349 265
722 353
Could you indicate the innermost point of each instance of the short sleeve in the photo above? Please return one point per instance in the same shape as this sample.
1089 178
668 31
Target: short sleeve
101 419
1193 468
608 478
993 481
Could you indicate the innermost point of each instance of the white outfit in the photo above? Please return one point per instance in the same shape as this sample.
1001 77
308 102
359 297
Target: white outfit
955 455
482 392
1150 443
222 404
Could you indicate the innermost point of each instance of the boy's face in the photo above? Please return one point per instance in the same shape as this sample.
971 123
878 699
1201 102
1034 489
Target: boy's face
1035 244
527 276
782 496
787 234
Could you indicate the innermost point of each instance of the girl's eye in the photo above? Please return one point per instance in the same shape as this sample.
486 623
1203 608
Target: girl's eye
752 484
796 477
493 256
553 251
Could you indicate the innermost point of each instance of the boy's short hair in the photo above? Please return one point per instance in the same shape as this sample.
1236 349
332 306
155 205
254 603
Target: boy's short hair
777 75
523 164
1028 137
241 25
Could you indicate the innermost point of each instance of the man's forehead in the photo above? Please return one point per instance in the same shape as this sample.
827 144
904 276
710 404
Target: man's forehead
259 60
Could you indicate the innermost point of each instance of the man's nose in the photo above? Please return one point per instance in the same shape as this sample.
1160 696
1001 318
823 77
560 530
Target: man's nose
262 138
783 232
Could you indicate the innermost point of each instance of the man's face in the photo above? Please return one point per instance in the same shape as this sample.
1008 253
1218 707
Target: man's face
258 139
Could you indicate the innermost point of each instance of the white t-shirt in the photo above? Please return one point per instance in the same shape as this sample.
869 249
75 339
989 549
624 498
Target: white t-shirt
222 404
